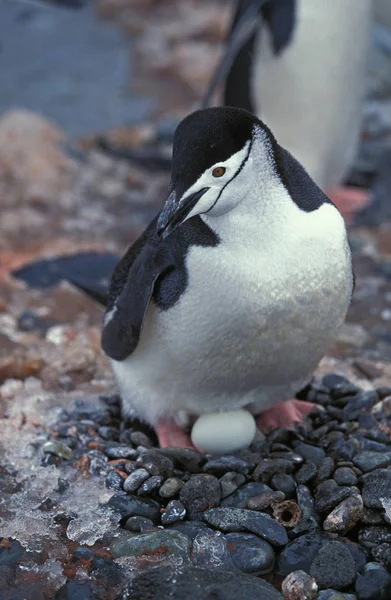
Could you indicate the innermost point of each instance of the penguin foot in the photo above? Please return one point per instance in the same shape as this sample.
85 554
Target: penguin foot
348 200
286 415
169 433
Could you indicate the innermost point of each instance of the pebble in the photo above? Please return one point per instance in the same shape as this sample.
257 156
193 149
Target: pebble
156 463
171 487
240 498
185 458
220 465
375 584
175 511
200 493
150 485
376 485
194 583
299 554
190 528
285 484
129 506
265 500
345 515
210 550
135 479
310 453
74 590
333 566
299 586
154 547
250 554
329 494
58 449
345 476
309 520
114 452
230 482
334 595
238 519
138 438
138 524
306 473
369 461
114 481
268 467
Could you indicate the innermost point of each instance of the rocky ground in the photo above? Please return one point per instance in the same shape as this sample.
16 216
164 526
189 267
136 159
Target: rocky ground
89 507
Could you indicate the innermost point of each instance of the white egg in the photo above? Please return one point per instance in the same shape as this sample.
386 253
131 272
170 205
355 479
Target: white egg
223 432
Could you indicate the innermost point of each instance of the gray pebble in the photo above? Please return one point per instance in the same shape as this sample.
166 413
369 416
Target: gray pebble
230 482
114 452
240 498
171 487
268 467
285 484
299 554
150 485
154 547
238 519
175 511
265 500
345 515
185 458
345 476
334 595
375 584
310 453
156 463
129 506
135 479
369 461
58 449
138 438
306 473
114 481
333 566
376 486
250 554
199 493
329 494
138 524
220 465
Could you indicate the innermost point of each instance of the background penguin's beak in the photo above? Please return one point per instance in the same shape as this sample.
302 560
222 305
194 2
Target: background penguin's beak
174 213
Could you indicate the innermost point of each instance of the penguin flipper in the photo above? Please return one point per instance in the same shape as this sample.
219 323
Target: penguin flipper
132 285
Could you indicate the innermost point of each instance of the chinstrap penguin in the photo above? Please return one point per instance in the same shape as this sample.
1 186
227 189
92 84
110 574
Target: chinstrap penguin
235 291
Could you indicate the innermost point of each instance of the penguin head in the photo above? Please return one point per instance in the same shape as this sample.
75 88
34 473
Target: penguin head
212 164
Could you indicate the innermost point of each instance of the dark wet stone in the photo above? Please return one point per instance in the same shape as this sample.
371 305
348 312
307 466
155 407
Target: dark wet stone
309 520
73 590
299 554
326 468
240 498
383 392
138 524
58 449
333 566
369 461
239 519
375 584
332 381
210 550
367 420
250 554
375 535
130 467
371 516
306 473
190 528
220 465
171 487
310 453
156 463
154 546
345 515
175 511
376 485
130 506
363 400
185 458
114 481
268 467
230 482
114 452
200 493
150 485
193 583
299 586
329 494
11 551
345 476
344 450
108 433
334 595
138 438
135 479
285 484
265 500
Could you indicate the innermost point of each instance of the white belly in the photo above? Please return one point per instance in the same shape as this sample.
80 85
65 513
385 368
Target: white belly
248 329
311 96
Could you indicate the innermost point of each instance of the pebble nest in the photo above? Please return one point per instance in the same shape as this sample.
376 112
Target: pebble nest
299 515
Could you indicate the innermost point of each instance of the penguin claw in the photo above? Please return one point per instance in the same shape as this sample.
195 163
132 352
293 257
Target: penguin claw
169 433
286 415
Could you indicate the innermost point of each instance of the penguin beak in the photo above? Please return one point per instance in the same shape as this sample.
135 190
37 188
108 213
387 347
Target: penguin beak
174 213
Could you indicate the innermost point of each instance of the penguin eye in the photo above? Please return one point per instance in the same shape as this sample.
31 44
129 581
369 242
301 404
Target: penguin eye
218 171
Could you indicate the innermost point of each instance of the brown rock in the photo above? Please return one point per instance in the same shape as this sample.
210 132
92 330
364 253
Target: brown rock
299 586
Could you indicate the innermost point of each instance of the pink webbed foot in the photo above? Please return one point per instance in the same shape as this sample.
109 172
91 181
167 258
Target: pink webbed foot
285 415
348 200
169 433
